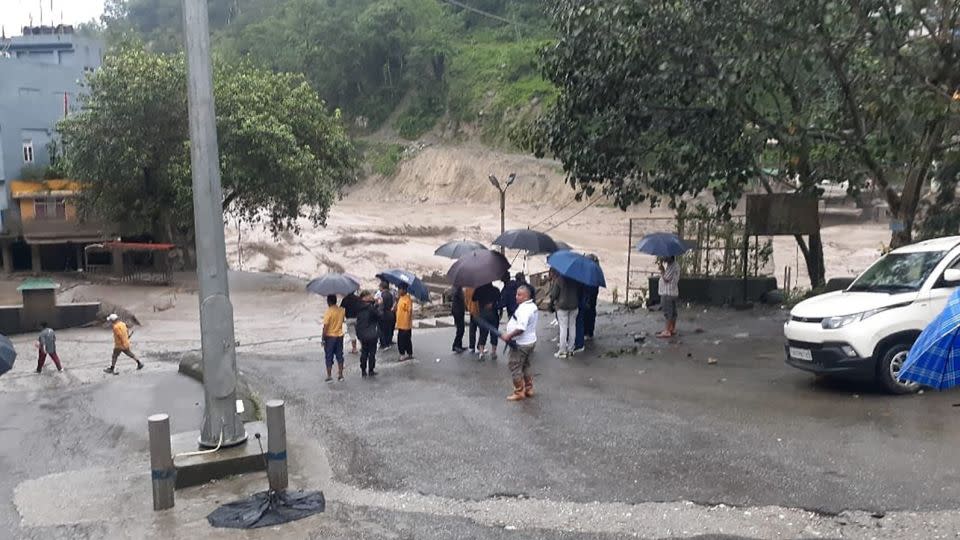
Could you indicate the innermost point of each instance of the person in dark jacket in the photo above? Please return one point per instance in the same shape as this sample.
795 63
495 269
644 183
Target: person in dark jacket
458 308
487 298
385 302
522 280
508 296
367 329
586 316
565 300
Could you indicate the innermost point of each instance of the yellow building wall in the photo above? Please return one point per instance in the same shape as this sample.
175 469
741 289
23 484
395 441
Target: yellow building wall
27 210
26 191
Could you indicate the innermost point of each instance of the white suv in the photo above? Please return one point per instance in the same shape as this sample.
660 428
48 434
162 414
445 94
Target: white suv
867 329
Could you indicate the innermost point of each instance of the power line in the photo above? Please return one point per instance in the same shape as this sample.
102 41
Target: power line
582 210
516 25
481 12
562 208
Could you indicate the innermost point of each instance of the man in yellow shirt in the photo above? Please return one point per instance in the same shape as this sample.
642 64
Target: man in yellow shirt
121 343
404 310
333 337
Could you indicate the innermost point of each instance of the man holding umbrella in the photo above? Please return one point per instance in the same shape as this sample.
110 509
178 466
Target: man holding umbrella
666 247
669 291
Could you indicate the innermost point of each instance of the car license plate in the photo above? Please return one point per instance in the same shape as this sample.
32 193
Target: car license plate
801 354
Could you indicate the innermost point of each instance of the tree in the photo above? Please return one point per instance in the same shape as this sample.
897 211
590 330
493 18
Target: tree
671 99
283 156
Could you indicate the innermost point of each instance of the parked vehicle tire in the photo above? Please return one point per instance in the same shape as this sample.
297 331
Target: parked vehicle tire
889 368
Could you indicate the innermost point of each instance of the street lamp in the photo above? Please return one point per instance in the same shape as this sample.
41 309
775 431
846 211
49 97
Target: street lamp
503 199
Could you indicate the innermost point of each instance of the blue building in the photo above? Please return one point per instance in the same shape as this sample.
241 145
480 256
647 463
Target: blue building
41 76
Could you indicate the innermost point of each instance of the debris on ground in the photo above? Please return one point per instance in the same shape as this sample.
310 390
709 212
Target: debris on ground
712 361
106 308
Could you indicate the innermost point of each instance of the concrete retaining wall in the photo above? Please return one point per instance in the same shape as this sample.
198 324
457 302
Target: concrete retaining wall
718 290
14 321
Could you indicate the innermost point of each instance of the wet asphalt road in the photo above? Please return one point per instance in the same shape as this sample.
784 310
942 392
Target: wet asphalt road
661 425
612 425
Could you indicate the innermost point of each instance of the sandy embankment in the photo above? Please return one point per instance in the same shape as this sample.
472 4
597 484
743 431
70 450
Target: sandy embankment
443 193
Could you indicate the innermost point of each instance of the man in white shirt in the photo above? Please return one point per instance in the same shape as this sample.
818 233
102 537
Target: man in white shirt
521 337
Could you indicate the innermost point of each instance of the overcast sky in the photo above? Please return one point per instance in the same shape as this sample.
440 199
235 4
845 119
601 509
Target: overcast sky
15 14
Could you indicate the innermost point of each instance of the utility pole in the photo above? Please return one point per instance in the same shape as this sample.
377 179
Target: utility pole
503 199
221 424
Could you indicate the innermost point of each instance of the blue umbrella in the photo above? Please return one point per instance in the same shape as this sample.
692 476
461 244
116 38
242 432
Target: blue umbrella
7 354
414 286
662 245
934 359
577 267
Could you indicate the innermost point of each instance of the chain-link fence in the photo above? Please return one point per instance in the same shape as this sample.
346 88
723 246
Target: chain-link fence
719 248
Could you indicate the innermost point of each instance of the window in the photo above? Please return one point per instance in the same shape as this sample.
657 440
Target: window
50 209
28 151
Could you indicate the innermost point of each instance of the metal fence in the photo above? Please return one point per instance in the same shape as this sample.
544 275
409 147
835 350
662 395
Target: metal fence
719 248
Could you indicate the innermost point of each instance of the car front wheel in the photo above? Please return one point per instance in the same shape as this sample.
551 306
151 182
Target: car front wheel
888 371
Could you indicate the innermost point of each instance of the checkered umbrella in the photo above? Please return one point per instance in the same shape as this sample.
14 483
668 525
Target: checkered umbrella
934 360
7 354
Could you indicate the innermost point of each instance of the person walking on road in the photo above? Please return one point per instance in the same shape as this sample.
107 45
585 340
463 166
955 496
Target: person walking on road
367 329
47 344
121 343
404 311
458 308
333 337
565 300
521 336
669 290
388 321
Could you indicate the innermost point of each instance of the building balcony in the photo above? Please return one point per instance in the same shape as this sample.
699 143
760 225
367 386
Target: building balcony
55 231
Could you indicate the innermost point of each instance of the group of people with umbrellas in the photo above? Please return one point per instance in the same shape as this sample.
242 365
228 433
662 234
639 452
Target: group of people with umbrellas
376 316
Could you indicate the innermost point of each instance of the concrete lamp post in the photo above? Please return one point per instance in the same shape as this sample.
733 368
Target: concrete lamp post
503 199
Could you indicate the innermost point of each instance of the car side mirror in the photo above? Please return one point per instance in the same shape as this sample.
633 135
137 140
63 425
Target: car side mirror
952 275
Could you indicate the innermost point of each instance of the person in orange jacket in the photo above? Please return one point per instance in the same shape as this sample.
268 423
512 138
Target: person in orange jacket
121 343
404 312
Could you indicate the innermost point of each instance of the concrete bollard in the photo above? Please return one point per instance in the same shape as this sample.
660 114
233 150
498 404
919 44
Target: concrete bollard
162 472
276 445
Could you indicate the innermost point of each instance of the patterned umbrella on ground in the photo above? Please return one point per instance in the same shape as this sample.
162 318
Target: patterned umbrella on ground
934 359
458 248
7 354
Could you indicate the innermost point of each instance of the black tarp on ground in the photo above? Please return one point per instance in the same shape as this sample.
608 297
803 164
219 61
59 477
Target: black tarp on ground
268 508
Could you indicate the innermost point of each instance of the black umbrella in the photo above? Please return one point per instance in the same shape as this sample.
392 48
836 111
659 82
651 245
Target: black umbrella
458 248
478 268
526 240
7 354
339 284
